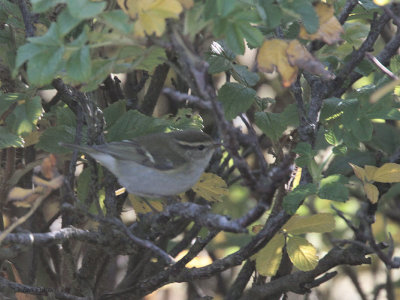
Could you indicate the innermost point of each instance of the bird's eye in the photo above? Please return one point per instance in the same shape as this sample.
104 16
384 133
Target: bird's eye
201 147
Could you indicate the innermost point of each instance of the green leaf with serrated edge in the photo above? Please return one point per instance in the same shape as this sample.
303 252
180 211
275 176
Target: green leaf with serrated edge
150 59
386 138
65 116
320 223
84 9
271 124
331 109
43 67
52 136
79 66
292 201
306 154
333 188
8 99
132 124
253 36
235 99
113 112
301 253
66 22
185 119
24 116
244 76
218 64
340 149
234 38
269 258
350 140
118 20
8 139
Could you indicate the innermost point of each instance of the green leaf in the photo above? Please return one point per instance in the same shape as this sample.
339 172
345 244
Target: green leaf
333 188
23 118
51 38
340 149
270 124
66 22
218 8
150 59
362 129
306 154
26 52
292 201
234 38
244 76
8 139
185 119
218 63
52 136
117 19
85 9
43 67
65 116
132 124
340 164
273 13
79 65
113 112
235 99
253 36
40 6
301 253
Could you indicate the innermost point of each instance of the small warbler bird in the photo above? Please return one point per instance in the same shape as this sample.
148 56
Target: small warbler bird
155 165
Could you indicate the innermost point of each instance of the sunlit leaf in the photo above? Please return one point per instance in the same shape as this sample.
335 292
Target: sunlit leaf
388 173
372 192
370 172
144 206
360 172
269 258
211 187
301 253
323 222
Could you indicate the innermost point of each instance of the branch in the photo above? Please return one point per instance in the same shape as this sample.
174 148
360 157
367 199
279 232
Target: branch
190 99
299 282
34 290
200 215
49 238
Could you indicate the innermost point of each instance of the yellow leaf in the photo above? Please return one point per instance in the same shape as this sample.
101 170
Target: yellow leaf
32 138
329 27
211 187
269 258
141 206
271 55
382 2
372 192
323 222
297 178
360 172
201 260
150 15
187 3
299 56
370 172
388 173
301 253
